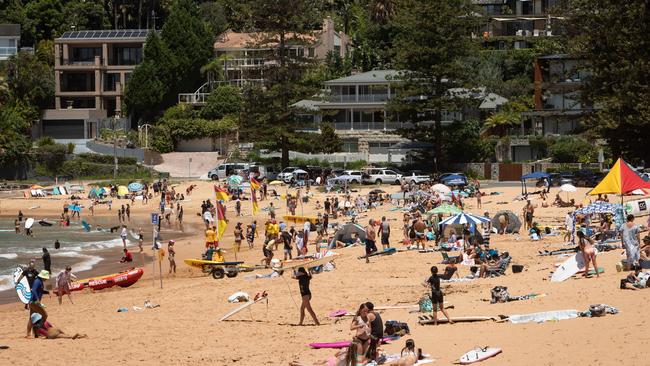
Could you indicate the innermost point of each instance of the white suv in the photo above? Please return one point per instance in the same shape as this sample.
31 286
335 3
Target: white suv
287 174
381 175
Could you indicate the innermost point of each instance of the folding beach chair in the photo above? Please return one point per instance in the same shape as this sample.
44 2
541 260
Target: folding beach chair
501 271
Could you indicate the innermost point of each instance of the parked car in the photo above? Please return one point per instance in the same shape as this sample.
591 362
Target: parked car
558 179
380 175
287 174
455 179
415 176
224 170
586 178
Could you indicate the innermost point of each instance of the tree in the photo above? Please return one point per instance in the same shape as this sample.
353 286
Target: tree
328 141
283 24
214 14
222 101
432 37
189 38
144 92
14 141
52 157
573 150
612 39
29 79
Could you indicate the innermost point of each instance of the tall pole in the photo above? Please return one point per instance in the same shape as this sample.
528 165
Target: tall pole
114 148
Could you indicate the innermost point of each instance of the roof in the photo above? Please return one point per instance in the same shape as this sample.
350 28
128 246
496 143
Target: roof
369 77
492 101
231 40
10 30
308 105
135 34
535 175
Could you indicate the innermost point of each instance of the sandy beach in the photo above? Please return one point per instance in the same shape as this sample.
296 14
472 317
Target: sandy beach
185 329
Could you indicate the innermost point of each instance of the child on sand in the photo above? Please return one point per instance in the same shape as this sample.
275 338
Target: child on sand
436 296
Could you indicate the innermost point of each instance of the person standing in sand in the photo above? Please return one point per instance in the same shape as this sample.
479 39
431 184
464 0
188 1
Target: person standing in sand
384 231
210 237
437 298
124 235
631 239
588 252
171 253
239 236
304 278
63 282
35 305
529 214
420 232
371 235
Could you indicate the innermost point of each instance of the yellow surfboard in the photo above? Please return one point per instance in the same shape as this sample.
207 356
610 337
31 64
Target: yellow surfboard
296 219
199 263
307 263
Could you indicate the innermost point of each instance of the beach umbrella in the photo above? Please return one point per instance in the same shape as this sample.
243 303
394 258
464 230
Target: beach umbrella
276 183
465 218
599 207
445 209
513 222
441 188
568 188
234 180
135 187
122 191
620 180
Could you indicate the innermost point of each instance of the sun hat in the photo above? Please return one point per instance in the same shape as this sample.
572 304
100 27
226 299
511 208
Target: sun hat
35 317
44 275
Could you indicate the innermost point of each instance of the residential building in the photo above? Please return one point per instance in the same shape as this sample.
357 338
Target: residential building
356 107
517 23
246 59
558 105
9 40
91 69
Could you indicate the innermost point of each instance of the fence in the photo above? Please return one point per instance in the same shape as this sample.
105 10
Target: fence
138 154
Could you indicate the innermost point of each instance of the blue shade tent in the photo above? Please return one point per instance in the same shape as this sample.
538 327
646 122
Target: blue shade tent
454 180
535 176
465 218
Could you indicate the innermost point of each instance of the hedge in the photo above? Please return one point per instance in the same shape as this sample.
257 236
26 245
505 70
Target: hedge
105 159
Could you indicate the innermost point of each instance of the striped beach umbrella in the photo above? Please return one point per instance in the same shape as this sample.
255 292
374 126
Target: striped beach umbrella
465 218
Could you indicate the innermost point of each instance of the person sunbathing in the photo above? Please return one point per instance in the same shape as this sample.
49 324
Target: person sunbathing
450 270
492 266
632 281
351 356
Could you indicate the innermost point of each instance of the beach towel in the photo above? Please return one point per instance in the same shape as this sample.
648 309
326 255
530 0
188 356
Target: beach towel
554 315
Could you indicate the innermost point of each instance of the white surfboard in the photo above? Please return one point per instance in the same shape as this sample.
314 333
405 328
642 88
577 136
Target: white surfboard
310 263
638 207
29 223
242 307
479 354
62 190
22 288
570 267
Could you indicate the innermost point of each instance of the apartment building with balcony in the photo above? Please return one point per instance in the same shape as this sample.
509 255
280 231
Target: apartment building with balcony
558 107
517 23
355 106
9 40
91 69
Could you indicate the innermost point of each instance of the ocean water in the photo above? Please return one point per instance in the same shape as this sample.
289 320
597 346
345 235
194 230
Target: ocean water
79 249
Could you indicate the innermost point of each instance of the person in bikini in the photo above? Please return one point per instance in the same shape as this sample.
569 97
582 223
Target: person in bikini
420 232
586 246
361 326
304 278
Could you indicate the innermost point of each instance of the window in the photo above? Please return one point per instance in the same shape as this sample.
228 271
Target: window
127 55
110 81
311 52
77 82
350 145
379 147
127 77
7 47
85 54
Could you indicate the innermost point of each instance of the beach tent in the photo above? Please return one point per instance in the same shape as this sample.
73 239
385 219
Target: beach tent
135 187
94 193
620 180
122 191
514 224
234 180
346 233
453 180
441 188
464 218
534 176
445 209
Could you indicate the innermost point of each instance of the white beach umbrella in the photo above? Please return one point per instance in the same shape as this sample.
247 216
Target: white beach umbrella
568 188
441 188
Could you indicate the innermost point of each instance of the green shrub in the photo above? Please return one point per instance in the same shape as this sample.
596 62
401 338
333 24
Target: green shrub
573 150
105 159
71 147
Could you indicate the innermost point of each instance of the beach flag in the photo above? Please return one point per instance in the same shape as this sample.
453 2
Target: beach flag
221 220
222 194
254 199
255 184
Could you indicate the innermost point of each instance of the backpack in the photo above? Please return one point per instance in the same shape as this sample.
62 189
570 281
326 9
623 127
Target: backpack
393 327
499 294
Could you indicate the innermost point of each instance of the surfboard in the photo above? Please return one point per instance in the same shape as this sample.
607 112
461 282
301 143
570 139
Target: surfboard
29 223
134 235
44 222
568 268
199 263
55 191
638 207
343 344
387 251
296 219
242 307
86 226
479 354
311 263
428 319
22 288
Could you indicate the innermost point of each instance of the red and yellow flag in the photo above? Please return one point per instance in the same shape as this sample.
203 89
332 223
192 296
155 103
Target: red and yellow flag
254 199
221 194
221 220
255 184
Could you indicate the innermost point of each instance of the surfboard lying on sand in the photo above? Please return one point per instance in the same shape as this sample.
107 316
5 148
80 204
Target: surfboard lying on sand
343 344
244 306
479 354
310 263
22 288
568 268
428 319
387 251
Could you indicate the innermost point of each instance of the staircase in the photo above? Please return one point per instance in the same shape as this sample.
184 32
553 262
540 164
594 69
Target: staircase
199 97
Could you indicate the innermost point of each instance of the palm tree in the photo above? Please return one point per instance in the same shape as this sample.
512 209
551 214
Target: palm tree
217 69
382 11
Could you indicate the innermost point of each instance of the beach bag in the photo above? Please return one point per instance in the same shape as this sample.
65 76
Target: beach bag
499 294
425 304
393 327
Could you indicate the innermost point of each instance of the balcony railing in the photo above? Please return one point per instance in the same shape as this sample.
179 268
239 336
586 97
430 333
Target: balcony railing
362 98
367 125
8 51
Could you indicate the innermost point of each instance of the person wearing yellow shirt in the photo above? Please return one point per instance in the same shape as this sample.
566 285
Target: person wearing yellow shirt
211 237
217 256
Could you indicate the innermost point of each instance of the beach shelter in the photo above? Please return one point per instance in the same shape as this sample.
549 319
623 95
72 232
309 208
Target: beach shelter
234 180
441 188
464 218
445 209
346 233
454 180
122 191
513 223
135 187
599 207
534 176
620 180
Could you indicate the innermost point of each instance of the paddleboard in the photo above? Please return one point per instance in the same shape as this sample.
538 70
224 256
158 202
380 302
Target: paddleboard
307 263
242 307
568 268
22 289
479 354
428 319
86 226
62 190
29 223
199 263
388 251
44 223
338 313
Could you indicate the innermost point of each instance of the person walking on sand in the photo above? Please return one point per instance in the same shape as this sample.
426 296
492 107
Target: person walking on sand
376 331
140 239
128 212
47 260
239 236
124 234
529 214
371 247
631 240
384 232
437 298
35 305
170 255
304 279
63 282
586 246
